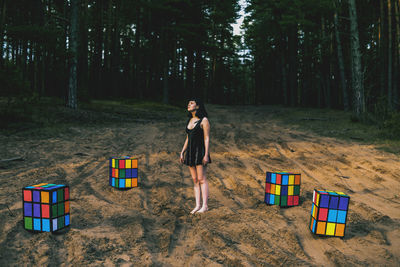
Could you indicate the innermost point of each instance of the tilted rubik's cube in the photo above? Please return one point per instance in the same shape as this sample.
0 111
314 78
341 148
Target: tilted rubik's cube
46 207
124 172
282 189
329 213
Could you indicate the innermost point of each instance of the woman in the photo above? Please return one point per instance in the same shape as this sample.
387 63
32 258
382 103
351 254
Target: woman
195 151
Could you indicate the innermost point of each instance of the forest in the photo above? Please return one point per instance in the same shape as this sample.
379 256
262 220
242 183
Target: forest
331 54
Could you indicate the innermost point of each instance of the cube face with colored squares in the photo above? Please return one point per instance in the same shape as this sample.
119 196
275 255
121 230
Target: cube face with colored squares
282 189
46 207
329 213
123 172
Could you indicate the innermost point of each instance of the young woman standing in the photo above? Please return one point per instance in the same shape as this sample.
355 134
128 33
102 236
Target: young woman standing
195 151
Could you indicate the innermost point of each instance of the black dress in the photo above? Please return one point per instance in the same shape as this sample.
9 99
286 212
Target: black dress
195 150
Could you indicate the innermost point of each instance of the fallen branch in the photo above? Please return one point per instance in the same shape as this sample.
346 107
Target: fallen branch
316 119
12 159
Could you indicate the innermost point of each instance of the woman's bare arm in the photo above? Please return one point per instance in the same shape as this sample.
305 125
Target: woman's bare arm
184 148
206 128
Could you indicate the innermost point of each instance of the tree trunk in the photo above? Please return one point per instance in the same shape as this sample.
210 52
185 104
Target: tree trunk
138 68
381 44
96 64
396 101
83 49
357 72
189 72
284 78
2 23
72 90
390 89
165 67
341 64
293 69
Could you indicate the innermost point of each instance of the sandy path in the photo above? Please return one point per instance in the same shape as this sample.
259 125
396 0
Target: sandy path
151 225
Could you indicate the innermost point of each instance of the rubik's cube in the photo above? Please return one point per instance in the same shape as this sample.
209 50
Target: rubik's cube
329 213
46 207
123 172
282 189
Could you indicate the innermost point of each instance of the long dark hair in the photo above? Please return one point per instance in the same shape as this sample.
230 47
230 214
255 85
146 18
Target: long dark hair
201 112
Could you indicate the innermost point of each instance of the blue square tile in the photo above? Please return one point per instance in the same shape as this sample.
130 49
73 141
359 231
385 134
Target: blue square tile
134 173
284 190
343 203
268 180
67 220
272 199
285 179
334 202
273 178
36 224
324 201
128 173
46 225
341 216
332 215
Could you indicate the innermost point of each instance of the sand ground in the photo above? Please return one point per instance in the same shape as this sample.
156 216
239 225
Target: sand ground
151 225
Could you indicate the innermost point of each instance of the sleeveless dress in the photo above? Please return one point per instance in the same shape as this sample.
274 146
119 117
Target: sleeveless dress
195 150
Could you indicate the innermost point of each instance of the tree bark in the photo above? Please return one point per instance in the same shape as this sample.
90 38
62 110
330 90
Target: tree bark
340 62
72 90
396 101
382 54
390 53
83 48
357 72
2 23
96 64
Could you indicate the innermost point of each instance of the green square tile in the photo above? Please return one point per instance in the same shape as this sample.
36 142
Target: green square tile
53 211
283 200
60 209
60 222
60 195
28 223
296 190
277 200
122 173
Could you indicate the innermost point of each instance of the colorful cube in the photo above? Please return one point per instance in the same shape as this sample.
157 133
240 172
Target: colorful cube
329 213
46 207
282 189
123 172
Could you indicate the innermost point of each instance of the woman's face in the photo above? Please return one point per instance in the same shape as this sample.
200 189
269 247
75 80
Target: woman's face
192 106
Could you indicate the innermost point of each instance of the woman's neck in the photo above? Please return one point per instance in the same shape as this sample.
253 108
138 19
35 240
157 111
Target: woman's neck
194 115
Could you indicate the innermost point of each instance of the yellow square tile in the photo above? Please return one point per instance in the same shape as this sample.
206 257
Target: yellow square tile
330 229
113 163
128 182
291 179
128 163
290 190
277 189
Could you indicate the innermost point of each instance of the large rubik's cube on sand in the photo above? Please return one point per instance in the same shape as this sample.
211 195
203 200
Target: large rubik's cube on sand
282 189
46 207
123 172
329 213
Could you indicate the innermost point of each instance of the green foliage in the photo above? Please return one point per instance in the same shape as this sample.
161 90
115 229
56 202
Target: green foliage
391 126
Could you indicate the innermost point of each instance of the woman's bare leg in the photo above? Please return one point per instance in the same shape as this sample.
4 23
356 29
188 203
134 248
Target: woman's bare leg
196 189
201 177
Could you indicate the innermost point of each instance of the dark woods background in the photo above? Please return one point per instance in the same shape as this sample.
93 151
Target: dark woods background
341 54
